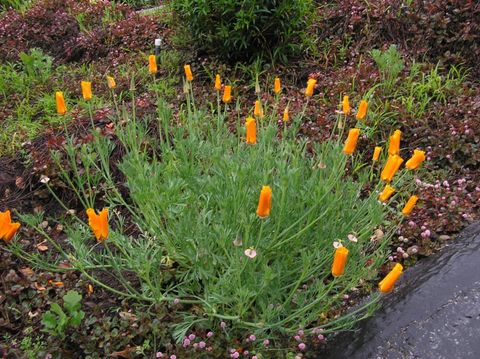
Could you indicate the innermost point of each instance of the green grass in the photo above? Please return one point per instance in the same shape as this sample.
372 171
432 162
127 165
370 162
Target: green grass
25 89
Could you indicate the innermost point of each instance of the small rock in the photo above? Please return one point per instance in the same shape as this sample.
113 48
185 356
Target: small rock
444 237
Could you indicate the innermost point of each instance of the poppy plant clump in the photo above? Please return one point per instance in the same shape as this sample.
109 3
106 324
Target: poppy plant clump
247 213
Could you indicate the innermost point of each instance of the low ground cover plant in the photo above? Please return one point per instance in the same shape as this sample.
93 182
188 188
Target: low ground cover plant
257 231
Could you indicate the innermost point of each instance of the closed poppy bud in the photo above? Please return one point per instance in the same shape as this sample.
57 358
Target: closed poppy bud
351 142
111 82
346 105
412 201
394 145
218 83
339 261
152 64
227 94
391 167
258 111
7 227
386 285
264 202
286 115
277 86
86 90
362 110
188 72
251 127
376 153
61 107
386 193
98 223
415 161
310 87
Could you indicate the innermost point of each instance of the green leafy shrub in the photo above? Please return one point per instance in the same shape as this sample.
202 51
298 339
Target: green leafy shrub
57 320
242 30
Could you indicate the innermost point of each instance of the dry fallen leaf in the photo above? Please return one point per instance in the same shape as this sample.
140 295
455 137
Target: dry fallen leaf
27 272
19 182
39 287
128 316
125 353
42 247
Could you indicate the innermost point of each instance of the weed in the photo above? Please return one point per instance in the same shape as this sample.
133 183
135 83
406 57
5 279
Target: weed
390 63
57 320
32 348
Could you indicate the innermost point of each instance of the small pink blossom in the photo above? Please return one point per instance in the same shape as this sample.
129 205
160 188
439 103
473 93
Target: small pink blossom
352 238
337 245
426 233
302 346
209 334
250 253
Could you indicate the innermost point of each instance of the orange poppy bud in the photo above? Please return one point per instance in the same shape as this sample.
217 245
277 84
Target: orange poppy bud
391 167
339 261
218 83
346 105
251 127
98 223
394 145
258 111
152 64
412 201
89 289
286 115
386 193
415 161
362 110
7 227
61 107
111 82
86 90
351 142
310 87
188 72
386 285
227 94
376 153
264 202
277 86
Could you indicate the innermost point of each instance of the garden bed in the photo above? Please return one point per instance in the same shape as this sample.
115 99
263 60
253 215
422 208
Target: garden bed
434 103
